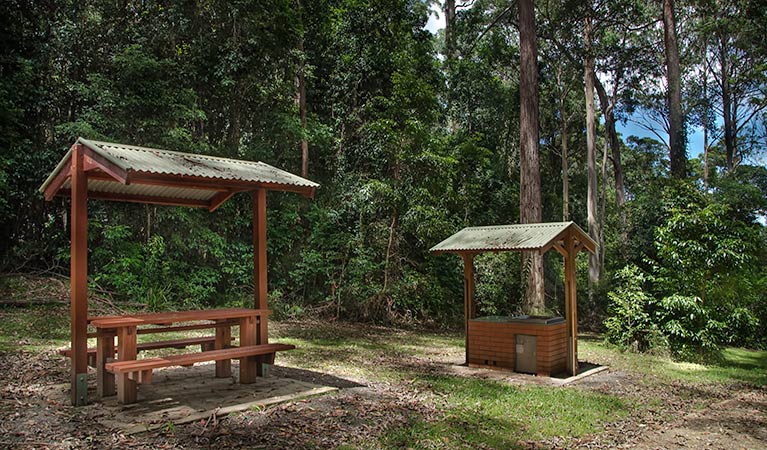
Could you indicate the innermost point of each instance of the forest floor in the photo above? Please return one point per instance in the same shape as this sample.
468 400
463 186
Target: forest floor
406 389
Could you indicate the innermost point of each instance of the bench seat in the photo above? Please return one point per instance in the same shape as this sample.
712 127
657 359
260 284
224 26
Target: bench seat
140 370
205 341
186 359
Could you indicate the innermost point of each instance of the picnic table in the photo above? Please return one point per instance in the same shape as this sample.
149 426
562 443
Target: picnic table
126 371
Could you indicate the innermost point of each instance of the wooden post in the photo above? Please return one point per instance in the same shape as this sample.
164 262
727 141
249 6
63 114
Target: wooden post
259 248
259 268
468 295
127 391
249 364
571 305
79 279
223 340
105 351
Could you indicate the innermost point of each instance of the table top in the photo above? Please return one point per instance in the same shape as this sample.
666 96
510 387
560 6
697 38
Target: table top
175 316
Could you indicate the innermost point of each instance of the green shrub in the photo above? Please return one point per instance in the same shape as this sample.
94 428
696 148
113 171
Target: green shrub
688 326
679 323
629 324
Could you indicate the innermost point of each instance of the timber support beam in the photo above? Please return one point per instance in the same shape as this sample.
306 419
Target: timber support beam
79 278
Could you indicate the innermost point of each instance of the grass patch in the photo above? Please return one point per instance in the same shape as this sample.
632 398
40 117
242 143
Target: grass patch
361 351
33 328
735 365
498 415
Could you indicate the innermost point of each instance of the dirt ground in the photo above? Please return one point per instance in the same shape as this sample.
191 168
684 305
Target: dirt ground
737 423
677 415
682 416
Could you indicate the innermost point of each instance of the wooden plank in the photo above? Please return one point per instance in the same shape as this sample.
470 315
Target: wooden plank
260 279
222 340
194 182
197 357
79 278
144 199
258 198
126 352
571 305
204 326
468 297
176 316
248 364
53 188
143 346
115 172
219 199
105 381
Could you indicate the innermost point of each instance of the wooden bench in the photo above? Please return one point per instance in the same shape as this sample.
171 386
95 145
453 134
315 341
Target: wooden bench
134 371
205 342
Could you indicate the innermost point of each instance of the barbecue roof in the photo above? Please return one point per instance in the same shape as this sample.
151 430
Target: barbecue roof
149 175
531 236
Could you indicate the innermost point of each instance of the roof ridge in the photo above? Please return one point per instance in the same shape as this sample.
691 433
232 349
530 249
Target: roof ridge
536 224
174 152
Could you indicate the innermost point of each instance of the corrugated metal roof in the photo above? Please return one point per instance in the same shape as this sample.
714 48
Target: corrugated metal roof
174 173
112 187
152 160
532 236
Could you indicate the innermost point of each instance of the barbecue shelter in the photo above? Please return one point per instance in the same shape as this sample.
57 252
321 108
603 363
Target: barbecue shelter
499 342
127 173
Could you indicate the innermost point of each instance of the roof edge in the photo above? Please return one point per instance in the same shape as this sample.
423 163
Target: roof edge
56 171
93 146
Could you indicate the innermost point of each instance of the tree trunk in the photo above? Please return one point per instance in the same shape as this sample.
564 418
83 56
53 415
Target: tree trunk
611 135
302 111
591 134
449 30
611 138
564 136
450 54
565 174
705 118
677 137
529 169
727 108
389 250
602 207
148 233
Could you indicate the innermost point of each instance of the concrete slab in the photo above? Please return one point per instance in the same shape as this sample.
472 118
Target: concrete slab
181 395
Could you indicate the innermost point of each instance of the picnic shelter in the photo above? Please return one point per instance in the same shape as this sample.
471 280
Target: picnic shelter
126 173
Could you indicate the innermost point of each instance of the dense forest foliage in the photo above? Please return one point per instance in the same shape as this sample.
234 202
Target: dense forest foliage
412 136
